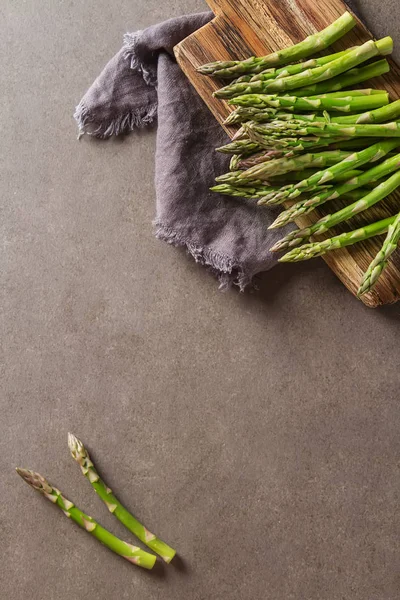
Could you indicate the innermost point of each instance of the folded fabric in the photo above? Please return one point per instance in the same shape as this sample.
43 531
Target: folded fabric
142 82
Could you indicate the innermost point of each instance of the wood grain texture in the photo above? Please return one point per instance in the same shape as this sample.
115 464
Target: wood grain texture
243 28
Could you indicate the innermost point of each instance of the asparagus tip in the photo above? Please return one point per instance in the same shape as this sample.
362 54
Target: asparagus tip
76 447
35 480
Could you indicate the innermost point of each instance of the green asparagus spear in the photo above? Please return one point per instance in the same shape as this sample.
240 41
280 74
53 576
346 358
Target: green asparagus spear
240 147
355 160
319 128
341 82
257 158
254 192
262 115
389 112
322 102
380 261
313 43
303 207
132 553
284 165
339 241
80 454
243 191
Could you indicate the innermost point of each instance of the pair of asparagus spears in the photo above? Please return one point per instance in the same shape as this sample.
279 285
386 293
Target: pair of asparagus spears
133 554
276 155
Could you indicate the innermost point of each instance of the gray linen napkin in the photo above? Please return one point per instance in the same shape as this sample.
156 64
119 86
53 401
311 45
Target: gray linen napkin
142 82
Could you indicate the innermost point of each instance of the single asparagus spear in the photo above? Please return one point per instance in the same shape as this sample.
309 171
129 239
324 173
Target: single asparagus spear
313 43
355 160
240 147
300 175
253 192
381 191
389 112
134 554
284 165
258 157
278 141
263 115
322 102
319 128
242 191
341 82
303 207
339 241
80 454
380 261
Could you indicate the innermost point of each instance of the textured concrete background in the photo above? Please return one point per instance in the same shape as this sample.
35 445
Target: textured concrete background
258 433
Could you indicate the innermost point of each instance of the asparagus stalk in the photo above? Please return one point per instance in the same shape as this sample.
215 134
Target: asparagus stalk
283 165
132 553
263 115
313 43
389 112
355 160
276 141
257 158
81 455
381 191
254 192
243 191
380 261
303 207
341 82
319 128
239 147
321 102
339 241
300 175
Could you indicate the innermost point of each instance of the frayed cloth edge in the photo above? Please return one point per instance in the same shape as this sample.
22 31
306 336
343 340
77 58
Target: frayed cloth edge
228 271
133 119
130 48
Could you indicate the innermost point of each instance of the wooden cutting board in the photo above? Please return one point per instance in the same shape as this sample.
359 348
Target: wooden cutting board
243 28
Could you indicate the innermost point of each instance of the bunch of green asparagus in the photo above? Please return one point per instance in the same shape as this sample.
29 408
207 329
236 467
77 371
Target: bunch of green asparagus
309 134
133 554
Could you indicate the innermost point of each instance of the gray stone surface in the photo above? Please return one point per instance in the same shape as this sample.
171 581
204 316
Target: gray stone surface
258 433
